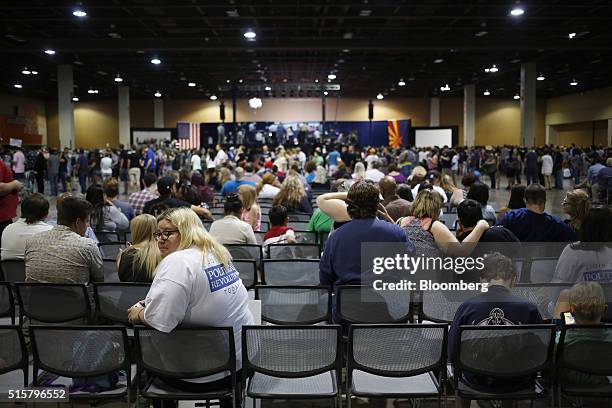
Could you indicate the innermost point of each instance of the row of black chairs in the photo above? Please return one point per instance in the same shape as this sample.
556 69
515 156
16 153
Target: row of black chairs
306 362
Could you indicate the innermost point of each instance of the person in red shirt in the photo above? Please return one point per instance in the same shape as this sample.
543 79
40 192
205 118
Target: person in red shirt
9 196
279 232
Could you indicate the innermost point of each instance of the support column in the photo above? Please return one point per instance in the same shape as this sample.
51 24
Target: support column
434 112
609 132
123 104
528 104
65 108
158 113
469 115
551 135
323 108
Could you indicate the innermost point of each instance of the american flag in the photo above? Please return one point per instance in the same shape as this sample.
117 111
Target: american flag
188 134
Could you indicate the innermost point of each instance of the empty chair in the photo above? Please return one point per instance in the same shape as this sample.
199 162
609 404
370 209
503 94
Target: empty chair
247 270
298 225
294 251
76 353
450 220
298 217
186 353
544 296
584 362
541 270
14 370
281 272
440 306
295 304
265 226
53 302
363 304
13 270
396 361
114 299
259 236
7 303
511 357
306 237
110 250
292 362
107 236
245 251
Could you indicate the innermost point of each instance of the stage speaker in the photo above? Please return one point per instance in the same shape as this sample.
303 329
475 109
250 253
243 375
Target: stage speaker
222 112
370 110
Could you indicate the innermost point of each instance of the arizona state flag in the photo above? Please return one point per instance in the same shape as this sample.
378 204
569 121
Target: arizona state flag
395 137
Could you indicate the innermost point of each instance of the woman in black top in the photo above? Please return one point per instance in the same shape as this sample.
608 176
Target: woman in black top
138 262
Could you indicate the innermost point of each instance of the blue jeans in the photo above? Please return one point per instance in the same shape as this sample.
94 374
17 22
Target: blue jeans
559 179
531 176
53 179
83 182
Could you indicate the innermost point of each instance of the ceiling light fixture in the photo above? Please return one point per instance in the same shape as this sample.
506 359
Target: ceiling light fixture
540 77
118 79
268 88
515 97
438 60
213 97
571 35
250 34
331 76
325 93
191 84
255 103
517 11
26 71
18 86
49 51
92 91
157 94
574 82
486 92
75 99
445 88
379 96
493 68
240 81
34 72
401 82
365 13
316 81
155 61
79 13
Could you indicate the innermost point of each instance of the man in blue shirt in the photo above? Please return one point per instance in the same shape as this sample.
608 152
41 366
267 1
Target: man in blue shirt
533 224
231 187
332 160
149 162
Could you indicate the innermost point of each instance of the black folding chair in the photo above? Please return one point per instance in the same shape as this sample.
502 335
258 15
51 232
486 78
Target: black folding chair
299 217
53 302
110 250
7 302
298 225
283 272
107 236
294 304
543 295
363 304
306 237
14 357
584 362
114 299
82 352
245 251
185 353
504 356
440 306
397 361
292 362
540 270
247 270
13 270
294 251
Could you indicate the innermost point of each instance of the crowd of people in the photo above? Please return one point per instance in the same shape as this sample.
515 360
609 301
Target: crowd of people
162 195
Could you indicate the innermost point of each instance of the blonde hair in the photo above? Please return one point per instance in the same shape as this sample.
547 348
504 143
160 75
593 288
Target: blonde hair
148 257
420 170
427 204
267 178
291 192
578 205
587 301
447 184
225 175
248 196
193 233
359 170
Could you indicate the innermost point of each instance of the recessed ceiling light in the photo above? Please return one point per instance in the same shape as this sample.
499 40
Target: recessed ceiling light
325 93
486 92
250 35
438 60
118 79
213 97
574 82
515 97
18 86
79 13
365 13
191 84
316 81
481 33
34 72
379 96
240 81
540 77
157 94
571 35
445 88
75 99
49 51
227 81
331 76
493 68
232 13
114 35
26 71
268 88
346 50
347 36
517 11
92 91
401 82
156 61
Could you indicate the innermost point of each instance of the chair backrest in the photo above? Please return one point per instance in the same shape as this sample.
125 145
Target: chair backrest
291 351
53 302
265 226
110 250
7 302
323 235
504 351
585 349
294 251
107 236
247 270
186 352
450 220
80 351
283 272
13 351
294 304
363 304
110 270
297 217
13 270
298 225
397 350
440 306
245 251
542 270
114 299
543 295
306 237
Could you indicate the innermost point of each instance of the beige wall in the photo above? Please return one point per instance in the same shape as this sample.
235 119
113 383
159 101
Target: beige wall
32 108
95 124
141 113
583 133
451 114
581 107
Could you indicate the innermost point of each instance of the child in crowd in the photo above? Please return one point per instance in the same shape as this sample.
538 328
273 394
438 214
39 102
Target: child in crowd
279 232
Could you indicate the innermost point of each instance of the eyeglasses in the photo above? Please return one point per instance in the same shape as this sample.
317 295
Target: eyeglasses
164 235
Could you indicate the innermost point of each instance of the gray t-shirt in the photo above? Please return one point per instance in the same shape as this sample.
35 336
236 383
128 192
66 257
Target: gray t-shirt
585 262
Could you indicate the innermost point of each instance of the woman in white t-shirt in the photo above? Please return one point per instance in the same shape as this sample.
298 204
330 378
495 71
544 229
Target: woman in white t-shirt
106 166
195 284
547 168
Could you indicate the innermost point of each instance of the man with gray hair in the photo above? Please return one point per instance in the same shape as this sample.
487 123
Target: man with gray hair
231 187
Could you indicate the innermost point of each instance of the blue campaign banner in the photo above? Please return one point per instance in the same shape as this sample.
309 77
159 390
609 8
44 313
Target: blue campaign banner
219 277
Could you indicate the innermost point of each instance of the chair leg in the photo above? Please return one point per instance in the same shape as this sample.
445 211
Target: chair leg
348 398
